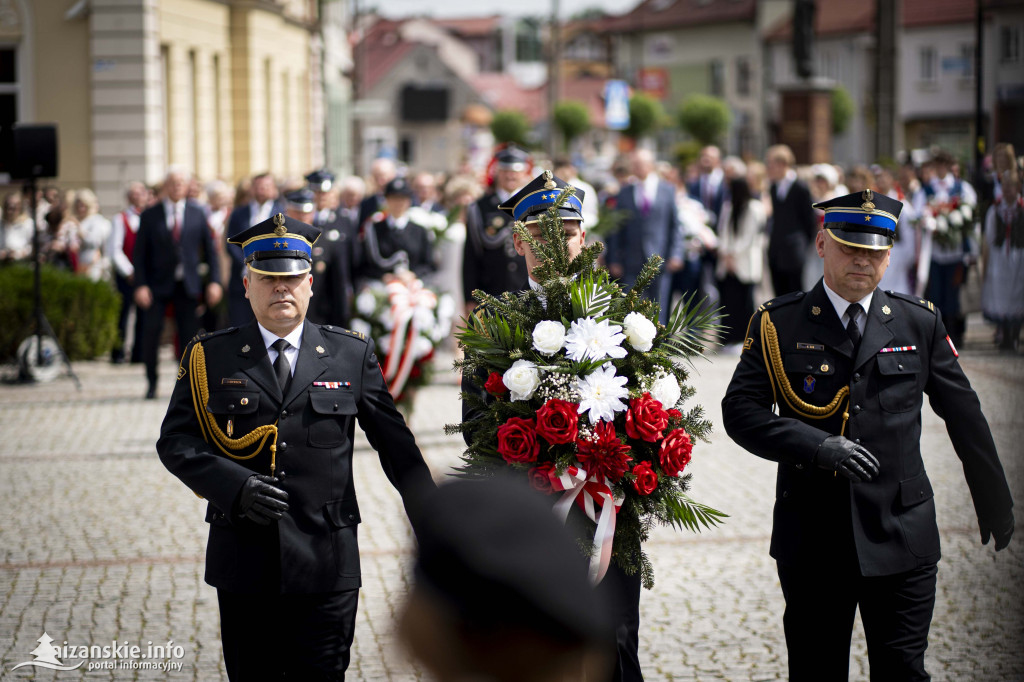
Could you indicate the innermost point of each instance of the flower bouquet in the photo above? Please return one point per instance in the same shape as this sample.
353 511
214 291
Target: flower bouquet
950 221
581 391
407 321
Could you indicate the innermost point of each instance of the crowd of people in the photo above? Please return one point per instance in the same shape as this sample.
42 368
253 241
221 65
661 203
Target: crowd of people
734 231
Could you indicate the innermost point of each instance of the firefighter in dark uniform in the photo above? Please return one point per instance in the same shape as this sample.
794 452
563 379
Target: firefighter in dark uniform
260 424
334 259
490 261
830 385
393 244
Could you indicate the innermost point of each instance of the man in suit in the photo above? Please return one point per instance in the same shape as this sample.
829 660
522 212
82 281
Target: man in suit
172 241
793 222
651 226
263 205
709 186
847 366
261 424
382 171
490 261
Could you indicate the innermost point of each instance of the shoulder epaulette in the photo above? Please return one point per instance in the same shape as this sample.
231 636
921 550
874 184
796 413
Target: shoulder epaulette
341 330
204 335
913 299
785 299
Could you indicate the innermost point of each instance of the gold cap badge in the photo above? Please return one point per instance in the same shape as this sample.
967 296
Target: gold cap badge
549 180
868 197
280 230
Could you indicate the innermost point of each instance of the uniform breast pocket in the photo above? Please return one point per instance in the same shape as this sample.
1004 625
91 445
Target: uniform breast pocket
811 375
898 387
237 407
330 412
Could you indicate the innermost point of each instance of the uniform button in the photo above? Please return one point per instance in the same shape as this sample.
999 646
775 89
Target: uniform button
282 446
856 376
899 367
785 493
231 407
800 467
856 409
284 414
282 475
335 407
810 367
351 517
920 493
857 441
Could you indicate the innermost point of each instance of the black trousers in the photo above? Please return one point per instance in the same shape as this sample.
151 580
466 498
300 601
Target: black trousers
622 593
127 291
153 326
820 606
304 637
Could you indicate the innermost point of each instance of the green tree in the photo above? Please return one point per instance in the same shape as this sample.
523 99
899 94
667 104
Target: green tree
510 125
645 116
705 118
842 110
573 119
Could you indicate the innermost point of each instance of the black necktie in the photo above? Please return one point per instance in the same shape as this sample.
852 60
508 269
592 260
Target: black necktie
282 368
851 327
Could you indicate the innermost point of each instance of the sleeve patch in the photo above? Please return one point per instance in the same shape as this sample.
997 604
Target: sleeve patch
951 346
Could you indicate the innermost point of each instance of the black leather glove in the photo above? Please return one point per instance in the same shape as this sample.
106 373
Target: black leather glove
1001 530
838 453
261 501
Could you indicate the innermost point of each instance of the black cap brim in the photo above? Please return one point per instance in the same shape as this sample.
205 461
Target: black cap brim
280 266
860 240
564 213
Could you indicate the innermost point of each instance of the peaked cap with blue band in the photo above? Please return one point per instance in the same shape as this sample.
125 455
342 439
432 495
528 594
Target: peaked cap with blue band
866 220
320 180
530 202
279 245
302 200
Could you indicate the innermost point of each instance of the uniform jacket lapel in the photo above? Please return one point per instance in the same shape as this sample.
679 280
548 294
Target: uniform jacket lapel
255 362
829 330
876 331
310 364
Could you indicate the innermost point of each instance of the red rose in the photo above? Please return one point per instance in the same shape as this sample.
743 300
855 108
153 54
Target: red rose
517 440
494 385
540 476
557 421
605 456
675 452
646 480
674 413
646 419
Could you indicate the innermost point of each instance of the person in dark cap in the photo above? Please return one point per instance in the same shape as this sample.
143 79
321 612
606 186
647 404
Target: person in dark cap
620 591
260 424
490 261
333 261
393 244
501 591
830 385
321 184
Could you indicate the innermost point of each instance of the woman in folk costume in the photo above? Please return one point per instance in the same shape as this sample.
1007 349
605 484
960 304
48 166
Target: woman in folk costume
393 244
1002 298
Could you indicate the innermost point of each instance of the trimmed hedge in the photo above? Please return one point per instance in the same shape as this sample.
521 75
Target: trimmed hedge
82 313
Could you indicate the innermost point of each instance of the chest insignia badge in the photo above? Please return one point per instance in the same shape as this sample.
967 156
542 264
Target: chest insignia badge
244 401
815 310
320 349
824 367
808 384
887 310
245 348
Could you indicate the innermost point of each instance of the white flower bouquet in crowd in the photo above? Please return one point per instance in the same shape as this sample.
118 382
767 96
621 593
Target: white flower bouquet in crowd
407 321
583 392
949 221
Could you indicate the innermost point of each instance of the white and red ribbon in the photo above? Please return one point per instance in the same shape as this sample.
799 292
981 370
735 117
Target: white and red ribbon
592 496
404 300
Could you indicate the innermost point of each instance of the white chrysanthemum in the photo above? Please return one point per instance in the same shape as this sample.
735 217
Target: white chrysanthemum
549 337
594 340
522 379
640 331
666 391
602 393
366 302
421 347
967 211
956 219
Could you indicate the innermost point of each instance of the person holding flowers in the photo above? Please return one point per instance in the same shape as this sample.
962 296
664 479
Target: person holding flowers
574 384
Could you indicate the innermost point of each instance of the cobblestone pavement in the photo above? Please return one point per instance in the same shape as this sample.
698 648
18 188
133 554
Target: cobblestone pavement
98 542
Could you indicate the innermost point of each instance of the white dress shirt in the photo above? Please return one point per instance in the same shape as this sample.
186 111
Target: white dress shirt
292 353
841 304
